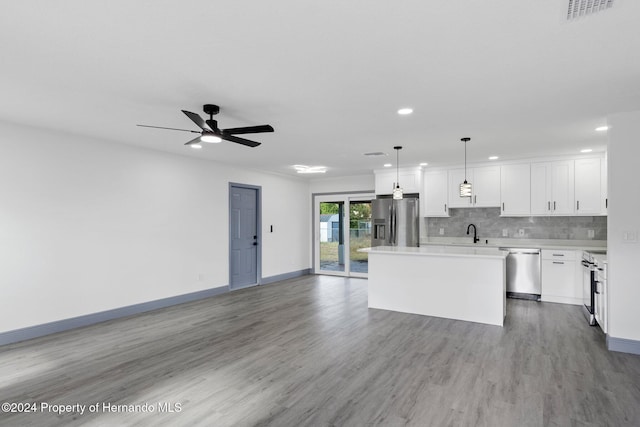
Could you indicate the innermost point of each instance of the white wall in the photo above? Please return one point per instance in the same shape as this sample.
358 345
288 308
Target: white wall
87 226
343 184
623 217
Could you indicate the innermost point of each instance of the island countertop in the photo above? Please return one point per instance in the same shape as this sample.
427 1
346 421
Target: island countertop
453 282
448 251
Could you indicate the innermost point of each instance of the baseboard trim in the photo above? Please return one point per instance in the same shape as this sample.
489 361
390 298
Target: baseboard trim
285 276
623 345
36 331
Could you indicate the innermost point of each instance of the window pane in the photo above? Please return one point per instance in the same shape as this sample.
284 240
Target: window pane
331 236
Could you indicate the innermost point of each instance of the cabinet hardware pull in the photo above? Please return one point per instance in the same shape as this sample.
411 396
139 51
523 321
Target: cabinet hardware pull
558 262
606 203
445 207
577 205
548 206
475 199
558 254
554 205
502 206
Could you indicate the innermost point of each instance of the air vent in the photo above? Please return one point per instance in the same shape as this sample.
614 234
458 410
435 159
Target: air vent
375 153
578 8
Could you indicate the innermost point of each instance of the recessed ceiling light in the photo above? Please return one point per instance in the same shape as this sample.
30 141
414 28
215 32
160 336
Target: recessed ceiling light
405 111
586 150
602 128
493 157
424 164
196 146
310 169
387 165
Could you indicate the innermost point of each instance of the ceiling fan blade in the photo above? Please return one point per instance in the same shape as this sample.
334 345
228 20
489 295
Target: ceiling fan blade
193 141
240 140
249 129
160 127
196 119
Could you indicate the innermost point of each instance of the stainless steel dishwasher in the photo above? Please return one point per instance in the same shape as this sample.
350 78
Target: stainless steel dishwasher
523 273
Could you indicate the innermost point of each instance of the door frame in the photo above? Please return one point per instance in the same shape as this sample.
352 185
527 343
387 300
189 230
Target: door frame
258 190
347 197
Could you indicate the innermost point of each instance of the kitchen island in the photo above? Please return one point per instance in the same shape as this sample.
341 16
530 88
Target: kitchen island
452 282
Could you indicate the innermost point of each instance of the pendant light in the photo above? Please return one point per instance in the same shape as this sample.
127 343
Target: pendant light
397 191
465 187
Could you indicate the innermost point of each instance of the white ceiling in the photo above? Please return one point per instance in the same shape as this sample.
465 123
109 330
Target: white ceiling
514 76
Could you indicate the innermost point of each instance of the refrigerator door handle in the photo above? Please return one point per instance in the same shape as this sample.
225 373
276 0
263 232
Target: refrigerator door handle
395 226
390 224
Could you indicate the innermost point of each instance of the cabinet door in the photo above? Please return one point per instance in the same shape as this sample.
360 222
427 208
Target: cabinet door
384 182
604 189
486 186
435 193
410 180
587 186
562 187
540 189
456 177
559 281
515 190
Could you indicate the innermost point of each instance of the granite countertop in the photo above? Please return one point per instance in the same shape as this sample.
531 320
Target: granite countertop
439 250
558 244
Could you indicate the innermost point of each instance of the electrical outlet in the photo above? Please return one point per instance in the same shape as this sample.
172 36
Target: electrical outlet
521 232
505 232
591 234
441 231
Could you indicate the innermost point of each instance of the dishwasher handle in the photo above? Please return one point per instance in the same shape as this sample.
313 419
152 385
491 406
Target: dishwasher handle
515 251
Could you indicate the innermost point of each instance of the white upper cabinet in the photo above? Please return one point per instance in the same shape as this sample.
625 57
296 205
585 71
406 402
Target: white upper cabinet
552 188
485 186
410 180
604 198
588 184
515 190
434 199
456 177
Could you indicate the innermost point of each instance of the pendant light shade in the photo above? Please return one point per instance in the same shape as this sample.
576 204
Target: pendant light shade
397 191
465 187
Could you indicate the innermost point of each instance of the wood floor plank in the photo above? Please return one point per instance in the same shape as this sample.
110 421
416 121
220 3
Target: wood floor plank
308 352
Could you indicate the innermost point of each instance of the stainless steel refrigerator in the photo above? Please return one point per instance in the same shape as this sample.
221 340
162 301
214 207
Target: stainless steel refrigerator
395 222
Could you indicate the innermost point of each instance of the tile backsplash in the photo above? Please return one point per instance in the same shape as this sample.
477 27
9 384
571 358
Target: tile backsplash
491 225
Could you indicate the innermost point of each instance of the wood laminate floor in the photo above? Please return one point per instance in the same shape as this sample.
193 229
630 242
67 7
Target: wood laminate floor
308 352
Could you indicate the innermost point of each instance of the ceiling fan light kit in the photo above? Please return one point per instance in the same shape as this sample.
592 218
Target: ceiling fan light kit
210 138
212 134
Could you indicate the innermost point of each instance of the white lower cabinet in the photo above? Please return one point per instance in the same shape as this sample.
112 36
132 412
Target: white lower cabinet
560 279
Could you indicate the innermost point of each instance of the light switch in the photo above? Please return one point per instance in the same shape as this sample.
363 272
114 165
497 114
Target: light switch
591 234
441 231
630 236
521 232
505 232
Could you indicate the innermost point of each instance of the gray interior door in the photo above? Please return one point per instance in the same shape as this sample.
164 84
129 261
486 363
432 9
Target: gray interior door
243 237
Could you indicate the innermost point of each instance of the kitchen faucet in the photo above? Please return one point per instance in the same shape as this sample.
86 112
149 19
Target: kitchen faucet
476 239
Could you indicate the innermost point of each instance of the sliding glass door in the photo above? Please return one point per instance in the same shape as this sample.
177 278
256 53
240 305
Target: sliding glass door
342 226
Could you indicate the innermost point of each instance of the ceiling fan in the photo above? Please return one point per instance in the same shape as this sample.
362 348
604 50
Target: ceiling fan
210 131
